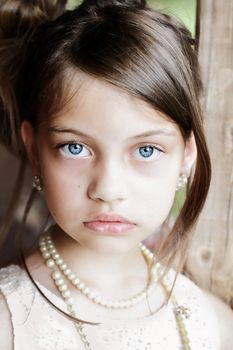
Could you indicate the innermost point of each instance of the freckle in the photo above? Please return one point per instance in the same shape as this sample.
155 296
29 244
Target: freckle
206 255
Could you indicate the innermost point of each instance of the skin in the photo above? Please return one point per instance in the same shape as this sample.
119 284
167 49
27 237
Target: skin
109 176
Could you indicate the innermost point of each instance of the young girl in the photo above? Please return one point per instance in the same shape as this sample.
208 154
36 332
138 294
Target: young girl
105 101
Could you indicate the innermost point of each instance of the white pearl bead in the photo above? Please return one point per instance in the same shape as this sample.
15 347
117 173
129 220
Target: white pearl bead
50 246
59 261
46 255
97 299
50 263
48 249
59 282
91 295
67 272
56 275
76 281
69 301
63 287
56 256
66 294
86 290
81 285
43 249
71 276
63 266
150 255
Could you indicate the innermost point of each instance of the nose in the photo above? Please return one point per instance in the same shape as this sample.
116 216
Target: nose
108 183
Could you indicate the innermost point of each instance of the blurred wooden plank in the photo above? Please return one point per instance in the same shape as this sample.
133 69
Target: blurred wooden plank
210 259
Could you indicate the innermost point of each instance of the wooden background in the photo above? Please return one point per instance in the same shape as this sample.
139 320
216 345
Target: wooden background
210 259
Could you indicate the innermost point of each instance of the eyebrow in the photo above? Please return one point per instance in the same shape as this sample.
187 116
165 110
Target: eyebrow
161 131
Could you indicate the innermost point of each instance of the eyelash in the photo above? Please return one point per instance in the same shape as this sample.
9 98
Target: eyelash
69 144
140 158
150 158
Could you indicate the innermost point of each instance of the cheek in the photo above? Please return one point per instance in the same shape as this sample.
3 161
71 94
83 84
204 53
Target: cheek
64 186
155 194
155 208
157 180
158 196
61 173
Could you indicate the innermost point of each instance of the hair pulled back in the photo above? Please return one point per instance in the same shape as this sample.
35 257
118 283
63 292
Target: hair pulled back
125 43
18 18
92 5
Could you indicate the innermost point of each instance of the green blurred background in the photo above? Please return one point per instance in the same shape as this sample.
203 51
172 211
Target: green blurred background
185 10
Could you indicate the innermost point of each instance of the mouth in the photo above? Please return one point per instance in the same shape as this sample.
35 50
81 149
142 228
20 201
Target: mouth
109 223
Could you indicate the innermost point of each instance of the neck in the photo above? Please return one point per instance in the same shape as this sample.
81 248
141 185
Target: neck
102 269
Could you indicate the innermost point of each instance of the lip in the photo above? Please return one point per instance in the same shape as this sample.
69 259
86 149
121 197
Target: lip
107 217
109 223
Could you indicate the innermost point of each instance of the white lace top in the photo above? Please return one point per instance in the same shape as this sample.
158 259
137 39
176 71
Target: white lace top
38 326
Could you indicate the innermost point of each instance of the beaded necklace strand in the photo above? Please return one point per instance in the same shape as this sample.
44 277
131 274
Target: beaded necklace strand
53 259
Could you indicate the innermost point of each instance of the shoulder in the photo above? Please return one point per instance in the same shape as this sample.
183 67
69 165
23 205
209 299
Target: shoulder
186 291
13 284
17 289
202 324
225 317
6 331
10 278
10 271
217 315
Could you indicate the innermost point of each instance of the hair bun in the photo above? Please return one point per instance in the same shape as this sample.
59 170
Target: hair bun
92 5
16 17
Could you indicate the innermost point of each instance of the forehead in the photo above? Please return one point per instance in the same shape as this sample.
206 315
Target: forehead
93 103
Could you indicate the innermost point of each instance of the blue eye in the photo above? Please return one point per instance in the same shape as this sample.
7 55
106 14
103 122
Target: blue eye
148 152
75 149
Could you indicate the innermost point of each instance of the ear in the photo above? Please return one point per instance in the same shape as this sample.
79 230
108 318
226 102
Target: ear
29 140
190 155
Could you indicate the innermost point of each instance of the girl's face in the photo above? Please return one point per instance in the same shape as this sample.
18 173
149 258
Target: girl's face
108 153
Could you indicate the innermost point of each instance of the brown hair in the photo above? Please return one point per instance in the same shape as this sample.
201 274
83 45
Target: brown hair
144 52
18 19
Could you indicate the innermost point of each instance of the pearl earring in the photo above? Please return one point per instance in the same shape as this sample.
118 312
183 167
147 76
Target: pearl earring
37 183
182 182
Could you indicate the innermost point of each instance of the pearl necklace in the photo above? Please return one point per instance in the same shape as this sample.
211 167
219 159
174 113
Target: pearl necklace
53 258
180 312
